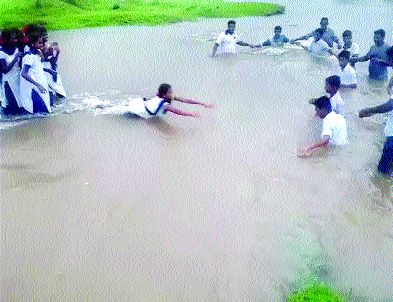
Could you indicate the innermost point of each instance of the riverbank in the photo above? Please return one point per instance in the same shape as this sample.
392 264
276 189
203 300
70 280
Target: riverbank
70 14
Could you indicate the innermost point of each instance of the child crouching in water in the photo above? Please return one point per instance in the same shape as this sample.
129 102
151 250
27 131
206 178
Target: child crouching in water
334 129
162 103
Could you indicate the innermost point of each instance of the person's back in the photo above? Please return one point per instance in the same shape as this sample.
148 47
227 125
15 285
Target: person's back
335 126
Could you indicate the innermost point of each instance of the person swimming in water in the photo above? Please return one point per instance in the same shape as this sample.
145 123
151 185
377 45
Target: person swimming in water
162 103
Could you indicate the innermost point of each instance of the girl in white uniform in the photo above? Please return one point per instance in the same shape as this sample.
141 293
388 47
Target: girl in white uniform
34 89
161 104
56 88
10 71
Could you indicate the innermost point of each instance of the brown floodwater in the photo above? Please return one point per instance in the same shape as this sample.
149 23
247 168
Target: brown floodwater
108 207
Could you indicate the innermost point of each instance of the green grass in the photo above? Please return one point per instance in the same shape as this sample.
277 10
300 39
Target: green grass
316 293
68 14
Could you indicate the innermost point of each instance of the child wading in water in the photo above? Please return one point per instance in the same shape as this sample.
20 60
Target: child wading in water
33 83
10 70
162 103
334 129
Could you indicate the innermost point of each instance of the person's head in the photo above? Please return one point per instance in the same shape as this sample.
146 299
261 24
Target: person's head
322 106
318 33
36 28
343 58
231 26
277 30
379 36
324 23
36 41
165 91
347 37
332 84
9 37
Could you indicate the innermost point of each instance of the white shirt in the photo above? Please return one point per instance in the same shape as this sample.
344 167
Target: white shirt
337 102
227 42
335 126
389 123
319 48
347 75
354 49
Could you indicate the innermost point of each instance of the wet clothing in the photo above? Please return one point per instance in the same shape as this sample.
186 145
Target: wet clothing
148 108
329 36
335 126
319 48
276 41
337 103
227 42
347 75
10 83
378 71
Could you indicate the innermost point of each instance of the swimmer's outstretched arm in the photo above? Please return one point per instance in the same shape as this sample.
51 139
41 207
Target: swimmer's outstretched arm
309 149
305 37
180 112
193 102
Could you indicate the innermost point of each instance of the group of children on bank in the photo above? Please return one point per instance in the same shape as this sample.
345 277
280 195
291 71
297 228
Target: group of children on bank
29 79
330 108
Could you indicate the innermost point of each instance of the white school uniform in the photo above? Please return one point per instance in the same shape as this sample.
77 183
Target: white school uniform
149 108
347 75
354 49
227 42
11 79
319 48
29 93
55 87
335 126
337 102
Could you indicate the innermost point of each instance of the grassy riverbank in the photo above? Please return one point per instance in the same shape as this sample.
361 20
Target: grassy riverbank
67 14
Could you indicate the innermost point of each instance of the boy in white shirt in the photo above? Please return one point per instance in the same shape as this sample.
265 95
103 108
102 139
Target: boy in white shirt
345 71
228 40
318 47
350 46
332 85
334 128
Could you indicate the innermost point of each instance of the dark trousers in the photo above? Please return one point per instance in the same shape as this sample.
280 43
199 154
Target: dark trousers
385 164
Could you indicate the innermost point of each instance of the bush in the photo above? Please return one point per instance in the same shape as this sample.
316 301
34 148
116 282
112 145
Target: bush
316 293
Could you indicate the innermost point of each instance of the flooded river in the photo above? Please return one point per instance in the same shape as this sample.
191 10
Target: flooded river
107 207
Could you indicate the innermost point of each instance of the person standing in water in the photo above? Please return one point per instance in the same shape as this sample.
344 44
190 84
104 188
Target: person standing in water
350 46
228 40
345 71
278 39
328 34
334 128
318 47
10 57
386 161
33 83
378 52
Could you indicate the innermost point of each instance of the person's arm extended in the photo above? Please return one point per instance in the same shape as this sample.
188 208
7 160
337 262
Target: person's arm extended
360 59
180 112
214 49
241 43
349 86
193 102
27 77
312 147
388 106
305 37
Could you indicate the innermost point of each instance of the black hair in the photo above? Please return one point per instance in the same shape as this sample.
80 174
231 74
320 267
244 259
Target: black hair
6 34
347 33
324 18
34 37
278 28
389 52
323 102
319 31
36 28
163 89
231 22
380 32
344 54
334 81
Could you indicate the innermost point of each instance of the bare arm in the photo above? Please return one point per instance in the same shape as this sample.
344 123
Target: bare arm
312 147
193 102
305 37
388 106
5 68
241 43
27 77
349 86
360 59
180 112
